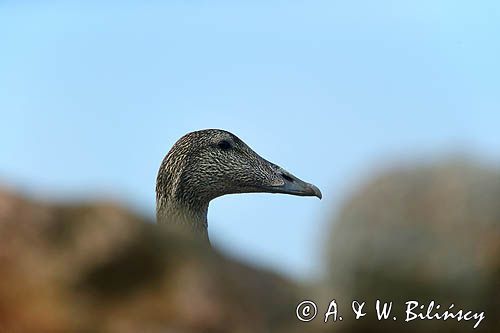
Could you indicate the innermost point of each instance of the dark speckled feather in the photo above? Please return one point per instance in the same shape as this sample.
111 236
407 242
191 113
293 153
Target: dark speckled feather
206 164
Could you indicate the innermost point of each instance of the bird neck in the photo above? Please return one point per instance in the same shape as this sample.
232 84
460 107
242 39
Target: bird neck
189 220
178 205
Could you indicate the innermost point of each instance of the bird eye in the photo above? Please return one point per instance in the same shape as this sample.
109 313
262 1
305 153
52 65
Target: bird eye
224 145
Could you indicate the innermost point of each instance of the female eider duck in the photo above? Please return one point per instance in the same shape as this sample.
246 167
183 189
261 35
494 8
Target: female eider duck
207 164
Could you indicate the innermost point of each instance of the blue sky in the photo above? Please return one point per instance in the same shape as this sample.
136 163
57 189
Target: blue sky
93 94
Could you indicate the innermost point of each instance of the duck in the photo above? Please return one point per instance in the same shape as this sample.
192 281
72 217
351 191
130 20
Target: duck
206 164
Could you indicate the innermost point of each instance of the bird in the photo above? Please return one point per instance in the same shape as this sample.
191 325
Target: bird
206 164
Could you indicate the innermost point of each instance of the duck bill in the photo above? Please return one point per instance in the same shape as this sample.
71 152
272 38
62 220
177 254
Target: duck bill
295 186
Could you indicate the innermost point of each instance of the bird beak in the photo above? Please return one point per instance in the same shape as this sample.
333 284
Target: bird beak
295 186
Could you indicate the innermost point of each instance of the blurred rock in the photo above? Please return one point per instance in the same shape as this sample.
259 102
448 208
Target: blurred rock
97 267
421 233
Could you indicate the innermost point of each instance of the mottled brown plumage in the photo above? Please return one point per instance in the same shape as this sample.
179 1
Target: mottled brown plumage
206 164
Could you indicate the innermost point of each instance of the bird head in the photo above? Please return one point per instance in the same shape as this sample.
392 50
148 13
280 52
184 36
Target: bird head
211 163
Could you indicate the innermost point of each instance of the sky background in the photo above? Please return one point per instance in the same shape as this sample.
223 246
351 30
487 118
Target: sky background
94 94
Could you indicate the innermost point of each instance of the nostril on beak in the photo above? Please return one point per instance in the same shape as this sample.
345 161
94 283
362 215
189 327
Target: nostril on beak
293 185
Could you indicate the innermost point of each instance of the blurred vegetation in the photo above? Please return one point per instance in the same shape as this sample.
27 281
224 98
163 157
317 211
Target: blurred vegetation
424 233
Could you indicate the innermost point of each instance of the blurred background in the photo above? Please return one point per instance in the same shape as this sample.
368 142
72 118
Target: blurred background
391 109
